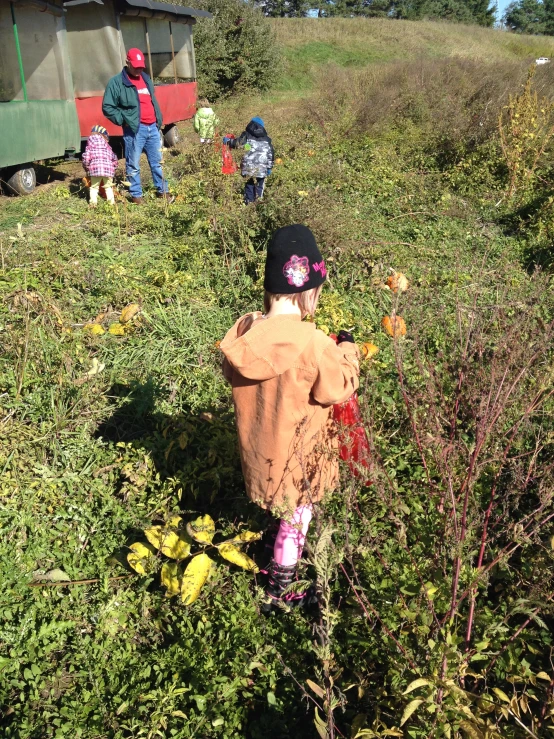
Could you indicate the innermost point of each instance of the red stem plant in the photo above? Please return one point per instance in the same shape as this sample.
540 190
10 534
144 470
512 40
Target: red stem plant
475 414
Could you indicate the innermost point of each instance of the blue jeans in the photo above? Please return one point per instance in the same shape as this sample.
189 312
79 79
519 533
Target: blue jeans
146 139
254 189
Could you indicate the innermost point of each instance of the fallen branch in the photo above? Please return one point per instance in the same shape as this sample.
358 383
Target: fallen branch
74 582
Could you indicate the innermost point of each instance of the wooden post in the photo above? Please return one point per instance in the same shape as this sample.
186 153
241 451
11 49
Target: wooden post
173 52
120 37
148 49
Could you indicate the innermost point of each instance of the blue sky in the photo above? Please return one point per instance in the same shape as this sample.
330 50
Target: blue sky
502 7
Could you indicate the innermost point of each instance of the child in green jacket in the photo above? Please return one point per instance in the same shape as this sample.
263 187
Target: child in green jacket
205 121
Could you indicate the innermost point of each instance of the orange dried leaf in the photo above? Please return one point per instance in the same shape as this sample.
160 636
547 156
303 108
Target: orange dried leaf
394 326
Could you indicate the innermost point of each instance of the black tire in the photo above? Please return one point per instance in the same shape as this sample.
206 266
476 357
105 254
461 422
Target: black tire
22 182
171 137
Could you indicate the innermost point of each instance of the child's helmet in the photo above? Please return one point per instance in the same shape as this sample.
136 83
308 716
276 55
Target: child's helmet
101 130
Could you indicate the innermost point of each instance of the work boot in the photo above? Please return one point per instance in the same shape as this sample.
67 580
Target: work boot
137 201
279 579
166 196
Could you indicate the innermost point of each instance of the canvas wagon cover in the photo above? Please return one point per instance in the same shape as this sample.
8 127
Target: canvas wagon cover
98 38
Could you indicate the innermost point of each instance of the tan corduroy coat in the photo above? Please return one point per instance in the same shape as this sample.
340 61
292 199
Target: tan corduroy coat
286 375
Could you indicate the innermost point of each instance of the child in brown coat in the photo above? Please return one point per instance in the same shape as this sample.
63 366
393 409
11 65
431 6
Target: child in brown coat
286 376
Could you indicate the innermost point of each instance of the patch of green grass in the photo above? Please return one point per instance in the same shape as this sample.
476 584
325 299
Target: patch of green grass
302 61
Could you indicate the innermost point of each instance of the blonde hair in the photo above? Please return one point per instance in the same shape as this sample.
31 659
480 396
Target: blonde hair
203 103
306 300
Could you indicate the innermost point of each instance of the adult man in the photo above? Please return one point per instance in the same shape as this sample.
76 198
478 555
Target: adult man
129 101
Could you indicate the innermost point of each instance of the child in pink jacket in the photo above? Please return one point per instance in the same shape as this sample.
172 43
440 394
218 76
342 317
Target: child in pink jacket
286 375
100 163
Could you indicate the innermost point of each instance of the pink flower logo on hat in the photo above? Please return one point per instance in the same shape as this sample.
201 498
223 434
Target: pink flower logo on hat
320 267
297 271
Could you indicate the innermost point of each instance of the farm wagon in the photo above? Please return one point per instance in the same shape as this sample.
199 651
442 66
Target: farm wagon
56 58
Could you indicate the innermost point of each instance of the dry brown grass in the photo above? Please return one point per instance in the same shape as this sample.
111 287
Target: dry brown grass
453 101
390 39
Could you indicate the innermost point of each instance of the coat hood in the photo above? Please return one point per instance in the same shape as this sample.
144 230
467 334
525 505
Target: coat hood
255 130
260 349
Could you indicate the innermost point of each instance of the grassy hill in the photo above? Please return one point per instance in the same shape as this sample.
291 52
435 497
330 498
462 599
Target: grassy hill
355 42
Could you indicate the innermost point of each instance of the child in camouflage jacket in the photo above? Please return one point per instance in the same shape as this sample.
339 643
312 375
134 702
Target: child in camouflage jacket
257 161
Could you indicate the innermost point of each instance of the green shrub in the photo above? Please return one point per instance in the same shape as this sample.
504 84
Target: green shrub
235 50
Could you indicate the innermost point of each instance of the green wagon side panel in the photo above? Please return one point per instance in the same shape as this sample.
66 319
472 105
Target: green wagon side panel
39 129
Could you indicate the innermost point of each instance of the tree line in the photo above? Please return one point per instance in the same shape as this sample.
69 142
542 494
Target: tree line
530 16
480 12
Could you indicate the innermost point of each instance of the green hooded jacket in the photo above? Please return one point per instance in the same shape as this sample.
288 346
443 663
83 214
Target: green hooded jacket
205 122
121 101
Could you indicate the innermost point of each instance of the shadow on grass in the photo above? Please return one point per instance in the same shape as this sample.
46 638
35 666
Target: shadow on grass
197 451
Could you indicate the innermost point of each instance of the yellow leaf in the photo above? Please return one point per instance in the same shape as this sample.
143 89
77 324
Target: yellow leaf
194 577
501 694
170 578
176 546
321 726
94 328
454 689
140 553
154 535
410 709
420 682
542 676
130 311
369 350
471 731
202 529
175 521
116 329
302 193
245 537
234 555
316 689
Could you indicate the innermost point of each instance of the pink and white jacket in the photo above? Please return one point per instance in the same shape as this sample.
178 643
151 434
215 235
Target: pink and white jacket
99 158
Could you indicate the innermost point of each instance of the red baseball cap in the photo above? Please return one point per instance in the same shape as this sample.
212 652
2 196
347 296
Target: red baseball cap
136 58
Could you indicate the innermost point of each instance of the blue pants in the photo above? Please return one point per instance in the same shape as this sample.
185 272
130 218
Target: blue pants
146 139
254 189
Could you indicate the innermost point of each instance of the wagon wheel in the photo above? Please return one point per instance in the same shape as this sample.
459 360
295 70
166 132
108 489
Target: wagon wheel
171 137
23 181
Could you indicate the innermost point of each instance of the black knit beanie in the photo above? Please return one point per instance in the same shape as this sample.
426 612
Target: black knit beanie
294 263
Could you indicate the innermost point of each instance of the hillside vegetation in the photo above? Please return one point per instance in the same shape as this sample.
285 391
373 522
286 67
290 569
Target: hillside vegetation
435 582
354 42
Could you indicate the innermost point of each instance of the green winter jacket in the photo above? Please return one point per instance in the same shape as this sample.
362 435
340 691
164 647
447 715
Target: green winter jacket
121 101
205 122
